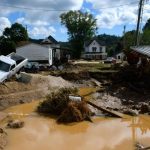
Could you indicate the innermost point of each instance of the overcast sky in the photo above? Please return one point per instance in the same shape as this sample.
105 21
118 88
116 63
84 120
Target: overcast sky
111 15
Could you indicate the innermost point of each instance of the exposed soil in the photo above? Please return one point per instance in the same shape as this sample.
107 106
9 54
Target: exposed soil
33 87
3 139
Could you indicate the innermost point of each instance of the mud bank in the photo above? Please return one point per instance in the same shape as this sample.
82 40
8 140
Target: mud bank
34 87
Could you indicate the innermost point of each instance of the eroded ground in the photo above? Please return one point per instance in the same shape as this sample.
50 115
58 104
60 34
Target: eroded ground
104 133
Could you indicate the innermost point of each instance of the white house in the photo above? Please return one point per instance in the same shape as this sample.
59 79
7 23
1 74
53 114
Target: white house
120 56
94 49
50 42
36 52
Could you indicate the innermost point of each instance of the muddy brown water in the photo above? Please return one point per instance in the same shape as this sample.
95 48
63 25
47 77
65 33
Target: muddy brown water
103 134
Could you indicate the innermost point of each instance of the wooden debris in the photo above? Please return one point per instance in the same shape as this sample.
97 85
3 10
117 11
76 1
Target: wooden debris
111 112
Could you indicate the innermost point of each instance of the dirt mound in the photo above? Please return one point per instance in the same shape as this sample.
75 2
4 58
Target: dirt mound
29 87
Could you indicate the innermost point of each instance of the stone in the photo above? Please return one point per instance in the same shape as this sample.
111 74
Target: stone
15 124
130 112
130 102
144 108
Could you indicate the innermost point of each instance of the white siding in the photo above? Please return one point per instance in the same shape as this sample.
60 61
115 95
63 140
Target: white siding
33 52
95 44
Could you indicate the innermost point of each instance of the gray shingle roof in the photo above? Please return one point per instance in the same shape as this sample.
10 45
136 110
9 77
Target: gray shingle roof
102 43
144 50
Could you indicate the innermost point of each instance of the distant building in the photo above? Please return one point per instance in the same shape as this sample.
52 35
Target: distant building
95 50
50 42
141 50
35 52
48 51
120 56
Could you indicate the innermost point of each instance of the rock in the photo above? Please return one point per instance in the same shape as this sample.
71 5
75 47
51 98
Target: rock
144 108
124 101
130 112
137 107
21 102
130 102
15 124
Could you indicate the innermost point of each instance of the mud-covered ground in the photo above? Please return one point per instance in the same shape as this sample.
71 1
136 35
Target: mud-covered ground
113 94
31 87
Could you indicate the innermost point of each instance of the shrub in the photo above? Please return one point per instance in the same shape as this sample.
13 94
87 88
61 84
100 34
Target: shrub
56 101
67 111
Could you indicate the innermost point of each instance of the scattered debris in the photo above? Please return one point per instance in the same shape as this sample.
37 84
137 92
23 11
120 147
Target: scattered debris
130 112
75 112
3 138
110 112
141 147
67 110
15 124
145 108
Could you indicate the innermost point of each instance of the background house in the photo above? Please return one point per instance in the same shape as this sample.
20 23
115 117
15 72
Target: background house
50 42
36 52
45 51
94 49
120 56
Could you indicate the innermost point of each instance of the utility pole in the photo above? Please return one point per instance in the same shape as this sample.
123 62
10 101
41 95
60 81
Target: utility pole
141 4
124 40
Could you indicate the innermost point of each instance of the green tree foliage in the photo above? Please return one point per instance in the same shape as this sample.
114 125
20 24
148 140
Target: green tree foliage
146 37
147 25
11 37
146 34
112 42
6 46
16 33
81 27
129 38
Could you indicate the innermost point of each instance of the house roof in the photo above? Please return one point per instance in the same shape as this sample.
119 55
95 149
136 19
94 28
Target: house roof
102 43
29 43
49 40
144 50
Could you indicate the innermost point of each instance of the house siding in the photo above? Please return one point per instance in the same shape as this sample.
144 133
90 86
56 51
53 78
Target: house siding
94 51
33 52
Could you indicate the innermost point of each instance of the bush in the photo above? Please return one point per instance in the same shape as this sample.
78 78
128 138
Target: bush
56 101
67 111
74 112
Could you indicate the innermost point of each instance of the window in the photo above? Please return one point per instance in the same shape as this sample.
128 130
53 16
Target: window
94 49
4 66
119 57
100 49
12 67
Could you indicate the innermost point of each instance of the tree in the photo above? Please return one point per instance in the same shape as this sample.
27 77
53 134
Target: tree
11 37
147 25
16 33
6 46
81 27
146 37
113 43
129 40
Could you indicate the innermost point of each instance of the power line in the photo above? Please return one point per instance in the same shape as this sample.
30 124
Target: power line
40 9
